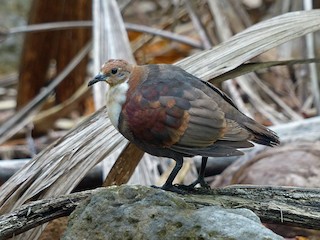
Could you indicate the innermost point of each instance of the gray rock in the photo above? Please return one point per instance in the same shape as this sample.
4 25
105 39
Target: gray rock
136 212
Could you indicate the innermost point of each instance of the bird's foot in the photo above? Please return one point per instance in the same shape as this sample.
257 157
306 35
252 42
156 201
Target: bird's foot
185 189
202 183
172 188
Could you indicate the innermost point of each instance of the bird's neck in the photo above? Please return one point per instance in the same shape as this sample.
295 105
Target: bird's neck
120 93
116 97
137 76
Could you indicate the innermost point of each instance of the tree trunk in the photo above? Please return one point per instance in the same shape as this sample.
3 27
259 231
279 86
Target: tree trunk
47 53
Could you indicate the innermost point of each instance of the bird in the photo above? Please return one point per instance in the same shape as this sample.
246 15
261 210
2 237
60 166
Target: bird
168 112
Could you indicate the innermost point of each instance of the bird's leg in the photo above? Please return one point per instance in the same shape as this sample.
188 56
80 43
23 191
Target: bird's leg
168 184
200 178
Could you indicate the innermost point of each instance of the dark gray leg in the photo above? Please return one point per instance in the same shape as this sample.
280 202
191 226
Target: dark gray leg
168 184
200 178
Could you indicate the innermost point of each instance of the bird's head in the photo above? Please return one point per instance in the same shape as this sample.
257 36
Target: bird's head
114 71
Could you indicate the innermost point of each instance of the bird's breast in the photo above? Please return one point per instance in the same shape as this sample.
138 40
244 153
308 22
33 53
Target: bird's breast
116 97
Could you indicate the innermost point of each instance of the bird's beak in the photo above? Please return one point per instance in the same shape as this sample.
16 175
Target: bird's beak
98 78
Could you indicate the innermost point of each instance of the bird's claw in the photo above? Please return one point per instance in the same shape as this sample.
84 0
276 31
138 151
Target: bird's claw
202 183
172 188
184 189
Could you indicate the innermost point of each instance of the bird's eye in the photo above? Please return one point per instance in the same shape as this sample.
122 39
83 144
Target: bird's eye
114 70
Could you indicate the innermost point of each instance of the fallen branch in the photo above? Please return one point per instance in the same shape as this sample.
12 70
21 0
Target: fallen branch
38 212
280 205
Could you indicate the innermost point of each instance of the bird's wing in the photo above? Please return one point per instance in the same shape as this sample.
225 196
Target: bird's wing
173 112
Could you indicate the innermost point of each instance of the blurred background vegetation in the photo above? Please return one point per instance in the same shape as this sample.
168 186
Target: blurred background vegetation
29 61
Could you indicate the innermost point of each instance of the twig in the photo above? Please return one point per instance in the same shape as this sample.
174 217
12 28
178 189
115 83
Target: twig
49 26
165 34
167 23
246 84
292 114
239 10
80 24
198 24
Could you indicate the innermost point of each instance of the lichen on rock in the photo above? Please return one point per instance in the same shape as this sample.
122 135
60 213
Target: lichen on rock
137 212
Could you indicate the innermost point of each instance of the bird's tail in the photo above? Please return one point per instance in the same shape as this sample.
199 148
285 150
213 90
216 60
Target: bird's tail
261 134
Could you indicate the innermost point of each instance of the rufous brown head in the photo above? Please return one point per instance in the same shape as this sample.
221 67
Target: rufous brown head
114 71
